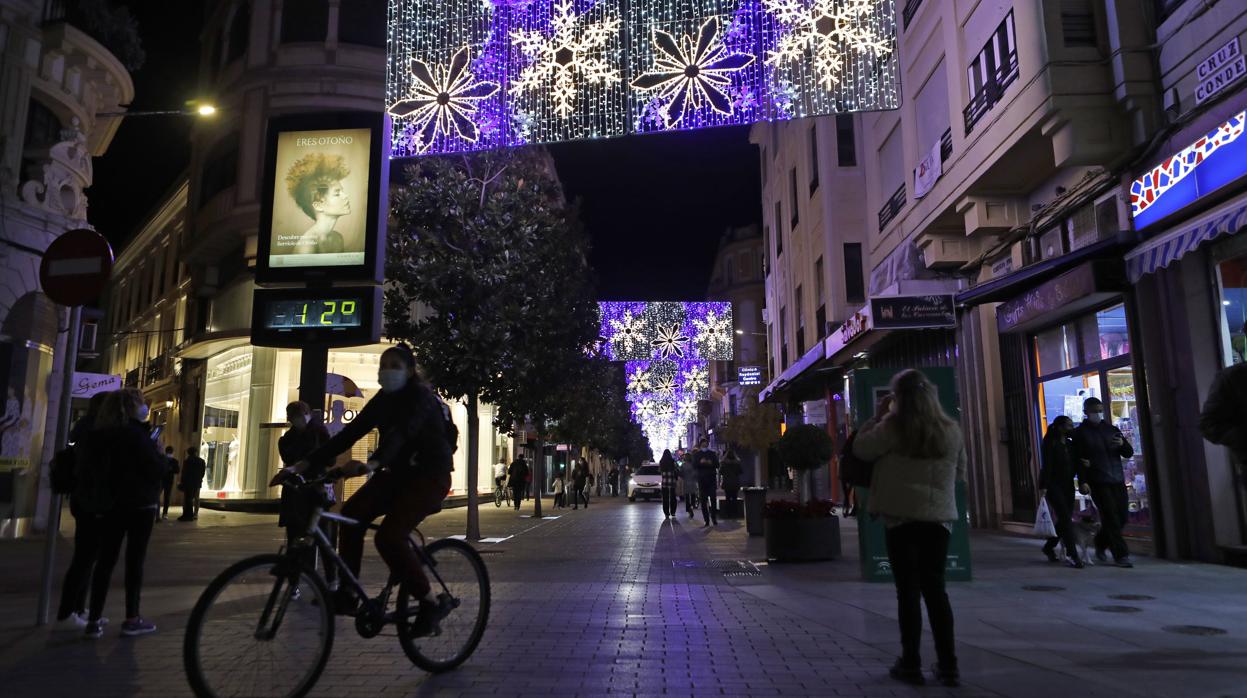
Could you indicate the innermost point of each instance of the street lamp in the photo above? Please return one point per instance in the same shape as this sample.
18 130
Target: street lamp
756 334
203 109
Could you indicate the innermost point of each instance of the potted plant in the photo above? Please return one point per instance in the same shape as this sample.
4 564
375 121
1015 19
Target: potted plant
807 530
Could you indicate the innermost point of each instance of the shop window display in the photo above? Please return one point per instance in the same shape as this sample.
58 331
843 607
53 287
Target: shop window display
1090 357
1232 280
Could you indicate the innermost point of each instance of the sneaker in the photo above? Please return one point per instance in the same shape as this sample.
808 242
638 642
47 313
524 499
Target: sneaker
93 631
947 677
136 627
1124 562
1101 556
429 616
73 621
345 603
1076 564
1051 553
911 675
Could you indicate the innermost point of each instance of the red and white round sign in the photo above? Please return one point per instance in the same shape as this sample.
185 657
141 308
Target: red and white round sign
76 267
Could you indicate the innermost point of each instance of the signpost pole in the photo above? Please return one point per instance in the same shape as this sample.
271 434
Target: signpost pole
53 527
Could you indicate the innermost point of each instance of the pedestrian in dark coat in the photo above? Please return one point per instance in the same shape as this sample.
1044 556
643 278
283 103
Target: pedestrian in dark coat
670 475
706 463
1056 487
1223 420
580 480
1099 447
302 438
688 478
517 476
193 469
166 486
127 470
87 529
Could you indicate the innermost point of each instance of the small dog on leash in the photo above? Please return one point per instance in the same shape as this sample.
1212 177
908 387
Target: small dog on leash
1085 531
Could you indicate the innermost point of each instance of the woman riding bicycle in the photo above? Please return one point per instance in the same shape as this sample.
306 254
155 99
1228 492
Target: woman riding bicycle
411 476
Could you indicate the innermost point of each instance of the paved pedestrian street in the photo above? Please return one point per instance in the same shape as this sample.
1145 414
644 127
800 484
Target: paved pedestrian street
613 600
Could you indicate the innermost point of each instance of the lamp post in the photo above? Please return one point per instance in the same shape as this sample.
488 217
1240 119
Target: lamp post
201 110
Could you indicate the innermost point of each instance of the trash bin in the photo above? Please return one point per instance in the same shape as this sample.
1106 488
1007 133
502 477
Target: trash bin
755 505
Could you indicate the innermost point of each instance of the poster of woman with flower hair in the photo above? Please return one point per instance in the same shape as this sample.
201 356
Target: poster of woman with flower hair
320 198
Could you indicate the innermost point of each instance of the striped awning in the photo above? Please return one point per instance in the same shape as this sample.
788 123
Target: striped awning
1163 250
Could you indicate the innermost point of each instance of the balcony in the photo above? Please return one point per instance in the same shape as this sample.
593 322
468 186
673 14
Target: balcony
946 145
157 369
990 94
132 378
892 208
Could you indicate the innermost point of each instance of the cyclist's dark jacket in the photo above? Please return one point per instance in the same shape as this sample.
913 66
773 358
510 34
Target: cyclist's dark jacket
413 433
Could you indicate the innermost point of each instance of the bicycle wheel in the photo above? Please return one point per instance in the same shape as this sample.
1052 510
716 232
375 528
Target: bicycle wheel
498 498
251 634
463 572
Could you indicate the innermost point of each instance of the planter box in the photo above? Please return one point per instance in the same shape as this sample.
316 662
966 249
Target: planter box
802 540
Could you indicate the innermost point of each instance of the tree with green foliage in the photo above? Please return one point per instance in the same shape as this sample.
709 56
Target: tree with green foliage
756 428
805 448
487 280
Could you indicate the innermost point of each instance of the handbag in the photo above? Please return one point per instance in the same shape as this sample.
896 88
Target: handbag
1044 528
853 470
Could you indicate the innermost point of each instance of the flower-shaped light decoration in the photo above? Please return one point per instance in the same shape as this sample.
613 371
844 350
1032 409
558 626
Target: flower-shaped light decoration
628 334
562 60
444 100
670 342
828 32
664 385
692 71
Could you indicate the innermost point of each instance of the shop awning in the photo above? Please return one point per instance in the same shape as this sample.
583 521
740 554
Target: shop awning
794 376
1163 250
212 343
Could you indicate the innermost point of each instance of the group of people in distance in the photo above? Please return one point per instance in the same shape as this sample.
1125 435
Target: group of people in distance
699 472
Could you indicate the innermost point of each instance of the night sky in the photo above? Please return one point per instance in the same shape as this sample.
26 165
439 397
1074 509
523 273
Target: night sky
654 206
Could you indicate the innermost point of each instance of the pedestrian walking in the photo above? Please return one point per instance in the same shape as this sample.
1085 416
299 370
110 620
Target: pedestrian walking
670 476
1098 449
172 468
517 475
528 484
559 487
1056 487
688 478
580 480
72 612
706 463
919 457
613 479
193 469
302 438
730 470
121 482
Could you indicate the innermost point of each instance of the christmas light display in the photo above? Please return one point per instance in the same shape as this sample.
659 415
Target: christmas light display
478 74
640 331
664 397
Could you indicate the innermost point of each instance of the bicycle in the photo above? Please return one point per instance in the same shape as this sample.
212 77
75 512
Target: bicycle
265 625
500 495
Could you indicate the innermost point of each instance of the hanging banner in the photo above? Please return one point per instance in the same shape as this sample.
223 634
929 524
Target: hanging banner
89 384
928 171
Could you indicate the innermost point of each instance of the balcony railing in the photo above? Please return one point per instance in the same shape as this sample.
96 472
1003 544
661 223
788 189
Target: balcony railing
157 369
132 378
820 321
911 9
54 10
991 92
946 145
892 208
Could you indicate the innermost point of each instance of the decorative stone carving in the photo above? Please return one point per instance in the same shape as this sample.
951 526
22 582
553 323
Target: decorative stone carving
58 175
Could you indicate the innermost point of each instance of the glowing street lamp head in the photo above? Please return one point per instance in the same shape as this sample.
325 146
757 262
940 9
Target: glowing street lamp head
205 110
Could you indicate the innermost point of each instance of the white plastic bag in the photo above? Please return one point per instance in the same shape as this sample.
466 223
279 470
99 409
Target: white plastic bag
1044 528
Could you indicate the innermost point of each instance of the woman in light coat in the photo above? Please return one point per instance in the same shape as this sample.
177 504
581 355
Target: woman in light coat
919 457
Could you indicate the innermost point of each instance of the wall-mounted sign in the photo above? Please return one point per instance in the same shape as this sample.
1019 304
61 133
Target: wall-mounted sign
854 327
913 312
90 384
1217 159
1223 68
323 208
749 375
297 317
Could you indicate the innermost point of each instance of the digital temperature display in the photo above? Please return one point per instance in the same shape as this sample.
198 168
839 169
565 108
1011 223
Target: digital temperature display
303 313
299 317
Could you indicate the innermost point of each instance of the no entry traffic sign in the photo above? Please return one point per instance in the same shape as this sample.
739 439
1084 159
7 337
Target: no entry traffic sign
76 267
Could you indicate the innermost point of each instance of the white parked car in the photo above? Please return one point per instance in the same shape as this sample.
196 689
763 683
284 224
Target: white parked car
646 482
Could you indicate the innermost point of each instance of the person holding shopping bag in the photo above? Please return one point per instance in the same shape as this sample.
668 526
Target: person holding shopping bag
1056 490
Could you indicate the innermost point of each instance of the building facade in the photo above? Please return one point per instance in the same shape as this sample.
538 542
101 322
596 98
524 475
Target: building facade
57 84
186 341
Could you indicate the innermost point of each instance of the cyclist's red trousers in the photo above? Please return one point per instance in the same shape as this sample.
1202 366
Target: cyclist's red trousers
405 499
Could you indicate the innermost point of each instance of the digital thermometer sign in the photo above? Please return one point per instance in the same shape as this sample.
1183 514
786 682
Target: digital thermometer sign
299 317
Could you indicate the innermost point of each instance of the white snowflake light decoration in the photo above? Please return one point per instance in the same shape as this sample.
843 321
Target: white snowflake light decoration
714 334
443 100
696 380
692 71
573 53
639 382
628 334
670 342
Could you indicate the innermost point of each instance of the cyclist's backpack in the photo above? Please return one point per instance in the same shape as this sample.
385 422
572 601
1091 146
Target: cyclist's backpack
61 471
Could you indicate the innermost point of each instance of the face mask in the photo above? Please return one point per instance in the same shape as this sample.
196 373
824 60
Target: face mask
142 413
298 421
392 379
1095 417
